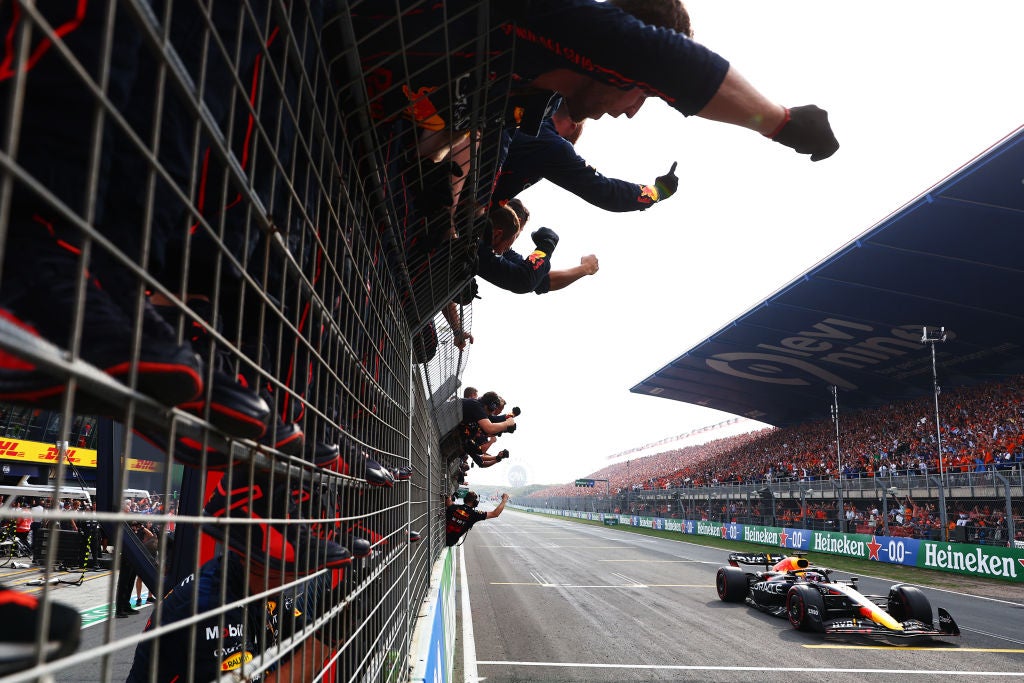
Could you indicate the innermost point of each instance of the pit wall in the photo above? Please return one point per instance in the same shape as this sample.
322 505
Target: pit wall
989 562
433 651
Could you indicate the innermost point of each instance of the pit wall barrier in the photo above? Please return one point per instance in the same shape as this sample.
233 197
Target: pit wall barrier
433 651
965 559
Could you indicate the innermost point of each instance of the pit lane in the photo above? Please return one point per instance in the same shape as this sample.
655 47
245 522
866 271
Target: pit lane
554 600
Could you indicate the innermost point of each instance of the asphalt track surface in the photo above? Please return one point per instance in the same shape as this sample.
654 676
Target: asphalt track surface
555 600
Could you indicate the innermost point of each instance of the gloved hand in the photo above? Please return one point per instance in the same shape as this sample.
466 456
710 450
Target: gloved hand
806 130
546 240
667 184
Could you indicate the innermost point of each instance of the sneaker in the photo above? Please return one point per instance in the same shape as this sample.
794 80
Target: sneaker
354 462
414 535
19 615
289 548
234 408
286 438
359 547
322 454
362 531
38 298
403 473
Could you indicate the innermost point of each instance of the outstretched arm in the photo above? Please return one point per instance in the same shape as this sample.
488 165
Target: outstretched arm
501 506
560 279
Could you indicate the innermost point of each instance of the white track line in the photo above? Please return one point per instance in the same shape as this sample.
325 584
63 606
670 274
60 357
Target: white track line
469 662
680 667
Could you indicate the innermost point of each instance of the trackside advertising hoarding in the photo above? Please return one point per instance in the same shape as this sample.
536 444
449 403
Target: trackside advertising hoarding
986 561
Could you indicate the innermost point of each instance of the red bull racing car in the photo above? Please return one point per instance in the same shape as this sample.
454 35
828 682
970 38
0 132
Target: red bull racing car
812 600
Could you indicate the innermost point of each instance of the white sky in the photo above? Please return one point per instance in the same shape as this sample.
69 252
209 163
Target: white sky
914 90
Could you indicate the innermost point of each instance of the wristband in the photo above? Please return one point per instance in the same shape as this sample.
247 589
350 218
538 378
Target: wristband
778 128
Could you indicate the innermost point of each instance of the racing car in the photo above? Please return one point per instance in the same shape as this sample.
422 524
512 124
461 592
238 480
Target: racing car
789 586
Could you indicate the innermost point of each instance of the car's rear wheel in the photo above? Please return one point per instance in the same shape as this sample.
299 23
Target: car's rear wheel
907 602
805 608
732 585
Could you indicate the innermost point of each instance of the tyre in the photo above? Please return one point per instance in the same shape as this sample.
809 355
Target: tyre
805 608
907 602
732 585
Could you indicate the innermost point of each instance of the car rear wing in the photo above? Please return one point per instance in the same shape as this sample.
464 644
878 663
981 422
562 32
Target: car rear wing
765 560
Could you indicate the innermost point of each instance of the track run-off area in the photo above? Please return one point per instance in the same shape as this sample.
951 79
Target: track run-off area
554 600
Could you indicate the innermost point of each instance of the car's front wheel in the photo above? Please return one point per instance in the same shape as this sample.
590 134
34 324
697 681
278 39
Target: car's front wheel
907 602
805 608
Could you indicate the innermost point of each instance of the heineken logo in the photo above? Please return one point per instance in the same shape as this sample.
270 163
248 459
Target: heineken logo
975 560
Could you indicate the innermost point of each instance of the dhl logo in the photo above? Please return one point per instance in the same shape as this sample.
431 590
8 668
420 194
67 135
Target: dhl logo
10 449
236 660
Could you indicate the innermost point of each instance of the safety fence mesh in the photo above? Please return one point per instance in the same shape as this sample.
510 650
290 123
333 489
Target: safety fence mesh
233 310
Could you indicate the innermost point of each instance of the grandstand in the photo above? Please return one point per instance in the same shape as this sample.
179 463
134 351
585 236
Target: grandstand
890 462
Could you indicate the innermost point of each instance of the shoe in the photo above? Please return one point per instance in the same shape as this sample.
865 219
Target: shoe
19 617
286 438
359 547
354 462
234 408
322 454
414 535
403 473
151 600
124 614
360 531
38 298
289 548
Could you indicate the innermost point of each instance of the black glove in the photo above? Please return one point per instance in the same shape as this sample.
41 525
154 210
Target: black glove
467 294
546 240
667 184
807 131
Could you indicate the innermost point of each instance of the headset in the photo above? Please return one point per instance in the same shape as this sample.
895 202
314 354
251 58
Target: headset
493 401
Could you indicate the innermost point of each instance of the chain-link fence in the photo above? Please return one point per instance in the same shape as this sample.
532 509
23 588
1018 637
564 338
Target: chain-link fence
234 310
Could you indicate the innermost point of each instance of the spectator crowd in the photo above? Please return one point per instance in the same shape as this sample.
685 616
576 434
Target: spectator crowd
982 430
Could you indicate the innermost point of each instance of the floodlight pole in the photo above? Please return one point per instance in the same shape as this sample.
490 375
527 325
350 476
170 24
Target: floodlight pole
932 339
839 456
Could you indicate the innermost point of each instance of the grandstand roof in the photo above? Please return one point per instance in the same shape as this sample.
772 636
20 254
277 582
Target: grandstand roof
953 257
